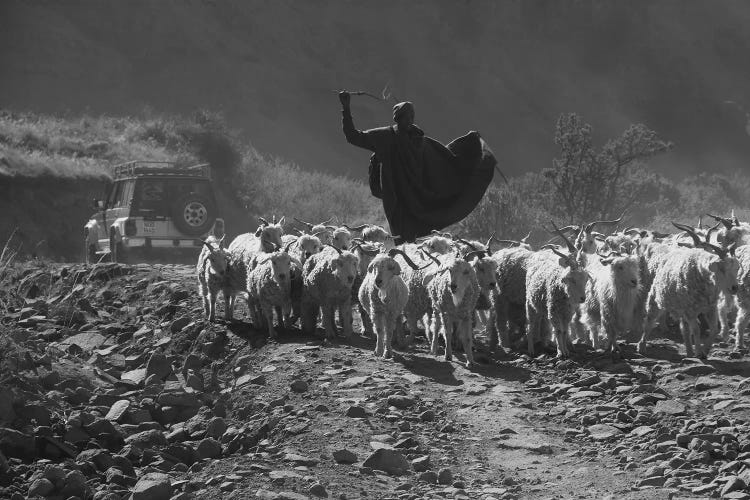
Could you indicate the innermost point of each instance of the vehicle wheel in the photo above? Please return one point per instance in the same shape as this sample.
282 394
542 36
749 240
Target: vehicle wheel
194 214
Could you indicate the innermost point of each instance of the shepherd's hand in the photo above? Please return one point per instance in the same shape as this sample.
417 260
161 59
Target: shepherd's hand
345 98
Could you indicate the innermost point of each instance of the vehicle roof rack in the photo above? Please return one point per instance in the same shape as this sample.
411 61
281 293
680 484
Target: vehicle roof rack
161 169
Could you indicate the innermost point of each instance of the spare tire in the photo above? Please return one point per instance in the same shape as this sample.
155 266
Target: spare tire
193 214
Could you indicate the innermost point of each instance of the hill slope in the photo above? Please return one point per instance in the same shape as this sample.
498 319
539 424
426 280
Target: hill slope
506 69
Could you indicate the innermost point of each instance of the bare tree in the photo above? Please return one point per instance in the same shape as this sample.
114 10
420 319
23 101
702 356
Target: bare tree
591 184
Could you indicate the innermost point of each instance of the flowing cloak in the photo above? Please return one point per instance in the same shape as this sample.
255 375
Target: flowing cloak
425 185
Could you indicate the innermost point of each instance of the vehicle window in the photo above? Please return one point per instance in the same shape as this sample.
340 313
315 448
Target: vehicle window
115 194
127 193
151 195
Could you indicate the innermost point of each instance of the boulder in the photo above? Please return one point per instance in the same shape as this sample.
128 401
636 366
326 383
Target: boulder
390 461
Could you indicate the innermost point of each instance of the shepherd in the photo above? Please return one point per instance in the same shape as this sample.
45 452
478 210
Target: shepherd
424 185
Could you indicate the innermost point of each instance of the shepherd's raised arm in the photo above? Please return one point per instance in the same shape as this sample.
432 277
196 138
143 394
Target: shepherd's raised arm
353 136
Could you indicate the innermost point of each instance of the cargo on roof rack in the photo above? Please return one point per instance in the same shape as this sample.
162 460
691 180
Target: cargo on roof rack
140 168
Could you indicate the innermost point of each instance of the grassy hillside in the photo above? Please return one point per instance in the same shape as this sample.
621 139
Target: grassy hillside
52 167
507 69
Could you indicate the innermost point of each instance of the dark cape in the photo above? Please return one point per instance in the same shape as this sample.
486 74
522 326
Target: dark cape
424 184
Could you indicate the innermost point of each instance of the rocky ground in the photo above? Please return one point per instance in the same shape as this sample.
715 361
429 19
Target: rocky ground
112 386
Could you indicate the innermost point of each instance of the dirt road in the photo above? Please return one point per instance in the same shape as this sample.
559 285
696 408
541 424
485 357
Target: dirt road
141 393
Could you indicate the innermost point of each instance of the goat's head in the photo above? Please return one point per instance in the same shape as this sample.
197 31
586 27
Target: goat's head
218 258
485 269
344 266
625 269
308 245
281 265
270 234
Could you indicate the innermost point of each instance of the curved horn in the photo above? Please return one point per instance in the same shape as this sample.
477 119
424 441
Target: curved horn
511 242
566 229
489 243
718 251
632 230
429 255
263 221
356 228
571 247
308 224
557 252
590 225
335 248
209 246
273 219
397 251
525 238
689 230
289 245
468 244
727 222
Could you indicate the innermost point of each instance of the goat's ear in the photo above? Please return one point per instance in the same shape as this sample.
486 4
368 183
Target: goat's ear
563 262
259 231
715 266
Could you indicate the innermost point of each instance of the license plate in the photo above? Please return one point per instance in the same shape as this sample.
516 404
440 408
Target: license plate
149 227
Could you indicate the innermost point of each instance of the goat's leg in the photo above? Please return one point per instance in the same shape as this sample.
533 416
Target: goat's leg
267 311
533 323
390 327
435 332
652 317
467 340
743 317
345 312
211 307
380 335
687 328
329 312
366 321
448 336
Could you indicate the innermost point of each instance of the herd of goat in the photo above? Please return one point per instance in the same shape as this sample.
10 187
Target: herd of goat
591 284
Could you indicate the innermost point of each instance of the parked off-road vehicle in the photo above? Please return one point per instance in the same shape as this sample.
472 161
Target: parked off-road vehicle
153 210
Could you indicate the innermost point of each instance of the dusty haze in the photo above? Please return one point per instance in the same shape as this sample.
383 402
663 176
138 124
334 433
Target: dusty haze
507 69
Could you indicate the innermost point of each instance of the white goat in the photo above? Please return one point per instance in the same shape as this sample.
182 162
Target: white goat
213 265
687 286
555 286
269 289
383 295
453 291
328 277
